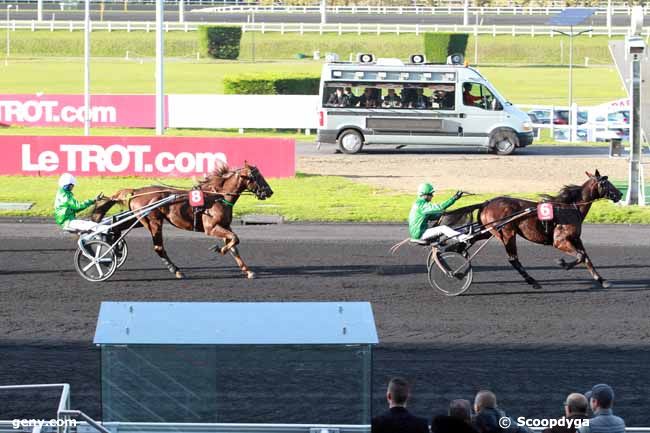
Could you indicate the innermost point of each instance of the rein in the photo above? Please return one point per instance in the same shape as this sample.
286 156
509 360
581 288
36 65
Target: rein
577 203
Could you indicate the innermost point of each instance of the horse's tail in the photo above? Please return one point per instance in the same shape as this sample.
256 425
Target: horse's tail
102 207
398 245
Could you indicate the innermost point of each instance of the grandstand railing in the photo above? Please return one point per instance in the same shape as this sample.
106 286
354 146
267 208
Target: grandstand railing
302 28
64 400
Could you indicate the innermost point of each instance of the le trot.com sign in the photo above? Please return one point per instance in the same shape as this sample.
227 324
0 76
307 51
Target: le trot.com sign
143 156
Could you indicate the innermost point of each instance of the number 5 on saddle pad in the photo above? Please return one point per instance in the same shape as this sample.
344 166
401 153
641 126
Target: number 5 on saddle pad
196 198
545 212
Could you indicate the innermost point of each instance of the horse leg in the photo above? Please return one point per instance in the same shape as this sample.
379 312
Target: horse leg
240 262
576 249
510 242
155 228
231 241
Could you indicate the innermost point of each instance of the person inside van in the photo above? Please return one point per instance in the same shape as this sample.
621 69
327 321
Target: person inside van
444 100
349 98
368 99
468 98
408 96
419 100
336 99
392 100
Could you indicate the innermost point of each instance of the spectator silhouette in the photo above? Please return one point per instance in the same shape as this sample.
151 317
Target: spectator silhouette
458 420
601 400
575 408
398 419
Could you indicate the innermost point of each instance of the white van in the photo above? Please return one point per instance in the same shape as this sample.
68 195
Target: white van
390 102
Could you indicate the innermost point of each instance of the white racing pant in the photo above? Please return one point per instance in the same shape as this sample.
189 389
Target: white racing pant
80 226
439 230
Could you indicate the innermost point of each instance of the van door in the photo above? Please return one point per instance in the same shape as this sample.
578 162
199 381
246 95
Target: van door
480 111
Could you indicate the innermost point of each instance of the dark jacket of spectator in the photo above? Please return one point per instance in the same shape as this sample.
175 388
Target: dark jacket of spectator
487 421
399 420
450 424
604 421
566 429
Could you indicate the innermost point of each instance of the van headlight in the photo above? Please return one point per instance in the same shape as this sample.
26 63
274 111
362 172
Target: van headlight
527 126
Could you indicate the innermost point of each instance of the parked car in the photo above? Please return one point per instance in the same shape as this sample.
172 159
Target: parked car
561 117
619 116
540 116
602 134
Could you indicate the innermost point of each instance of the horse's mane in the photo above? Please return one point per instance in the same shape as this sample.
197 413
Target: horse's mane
221 171
568 194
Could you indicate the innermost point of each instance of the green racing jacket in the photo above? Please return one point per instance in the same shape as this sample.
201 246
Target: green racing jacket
66 206
422 211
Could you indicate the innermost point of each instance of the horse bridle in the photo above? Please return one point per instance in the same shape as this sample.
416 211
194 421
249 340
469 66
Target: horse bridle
604 187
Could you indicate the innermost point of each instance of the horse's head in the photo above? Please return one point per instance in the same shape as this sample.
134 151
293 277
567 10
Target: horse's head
100 208
255 182
603 188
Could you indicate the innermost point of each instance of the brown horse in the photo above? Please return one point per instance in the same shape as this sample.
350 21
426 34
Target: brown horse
571 207
221 190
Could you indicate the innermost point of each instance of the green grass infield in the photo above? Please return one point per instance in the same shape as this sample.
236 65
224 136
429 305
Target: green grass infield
302 198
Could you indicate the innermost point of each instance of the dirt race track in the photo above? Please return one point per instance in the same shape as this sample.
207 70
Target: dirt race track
531 347
489 173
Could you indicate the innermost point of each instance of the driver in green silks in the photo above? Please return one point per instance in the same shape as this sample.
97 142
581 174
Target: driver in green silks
66 206
424 211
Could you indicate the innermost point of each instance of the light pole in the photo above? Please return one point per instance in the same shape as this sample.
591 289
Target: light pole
87 68
571 35
8 41
160 67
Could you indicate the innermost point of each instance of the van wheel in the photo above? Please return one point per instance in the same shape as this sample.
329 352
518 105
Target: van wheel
503 142
350 141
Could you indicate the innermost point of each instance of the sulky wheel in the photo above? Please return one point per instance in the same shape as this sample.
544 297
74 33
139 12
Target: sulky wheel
451 274
121 252
95 261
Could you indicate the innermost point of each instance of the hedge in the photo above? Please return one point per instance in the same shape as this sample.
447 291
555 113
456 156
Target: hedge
220 42
271 84
438 46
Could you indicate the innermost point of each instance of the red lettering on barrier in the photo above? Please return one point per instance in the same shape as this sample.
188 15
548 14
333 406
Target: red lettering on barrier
143 156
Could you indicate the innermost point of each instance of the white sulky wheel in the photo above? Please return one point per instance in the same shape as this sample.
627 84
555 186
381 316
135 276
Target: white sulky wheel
96 261
456 278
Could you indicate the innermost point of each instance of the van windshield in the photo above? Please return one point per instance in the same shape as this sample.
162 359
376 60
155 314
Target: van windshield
429 96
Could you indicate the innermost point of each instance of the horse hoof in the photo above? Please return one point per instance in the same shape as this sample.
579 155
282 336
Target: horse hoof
605 284
250 275
537 286
179 275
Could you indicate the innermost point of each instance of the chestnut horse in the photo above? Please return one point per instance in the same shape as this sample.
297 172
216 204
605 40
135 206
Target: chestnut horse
221 190
571 207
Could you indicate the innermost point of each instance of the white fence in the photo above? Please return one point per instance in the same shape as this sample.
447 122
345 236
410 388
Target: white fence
243 111
598 123
417 10
302 28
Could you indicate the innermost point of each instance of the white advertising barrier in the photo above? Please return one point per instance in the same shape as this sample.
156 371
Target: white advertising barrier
243 111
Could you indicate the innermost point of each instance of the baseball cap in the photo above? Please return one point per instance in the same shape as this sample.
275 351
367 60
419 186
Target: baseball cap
603 393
